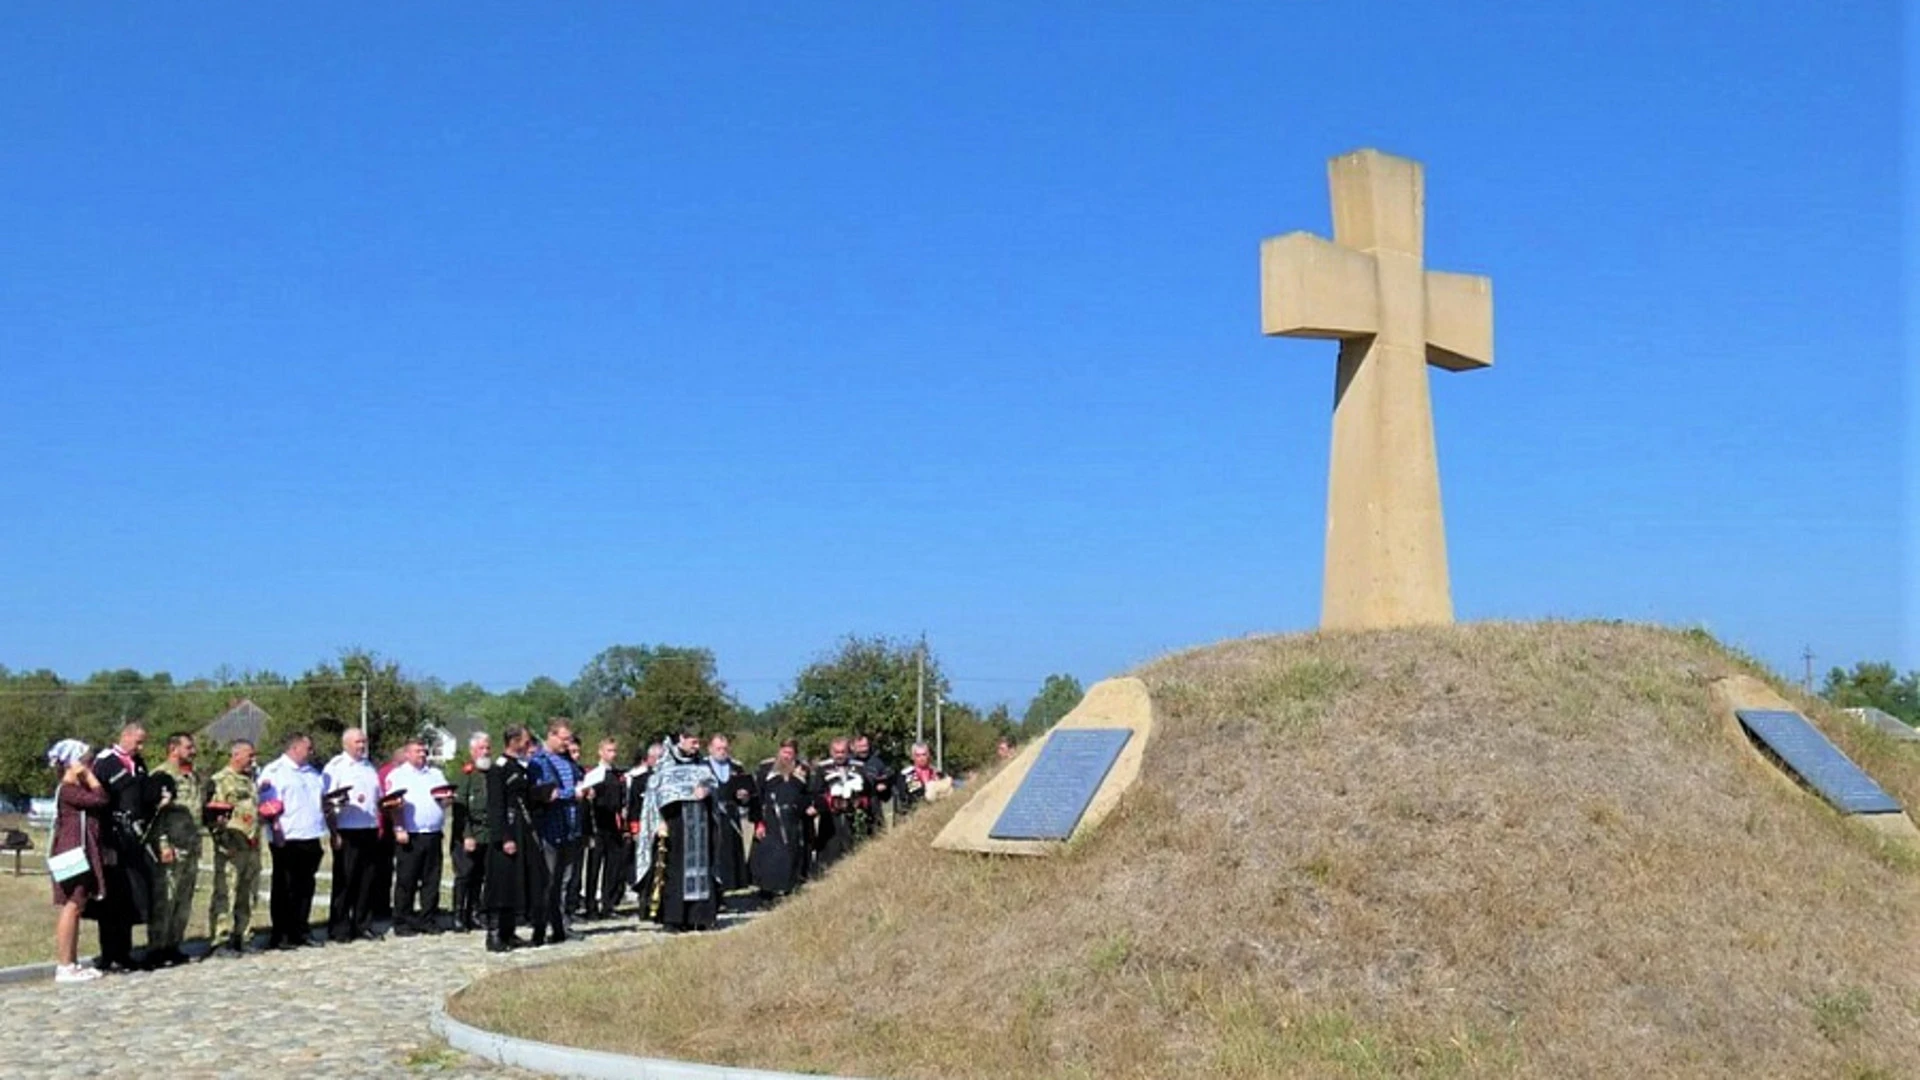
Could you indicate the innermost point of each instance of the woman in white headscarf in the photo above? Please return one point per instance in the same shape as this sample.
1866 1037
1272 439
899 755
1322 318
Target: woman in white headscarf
81 806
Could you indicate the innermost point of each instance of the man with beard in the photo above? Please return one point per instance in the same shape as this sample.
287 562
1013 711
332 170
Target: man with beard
678 819
608 844
733 798
516 876
128 894
470 834
782 816
879 785
176 847
840 792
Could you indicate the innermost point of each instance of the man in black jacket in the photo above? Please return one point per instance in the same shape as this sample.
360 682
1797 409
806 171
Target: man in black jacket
608 846
129 867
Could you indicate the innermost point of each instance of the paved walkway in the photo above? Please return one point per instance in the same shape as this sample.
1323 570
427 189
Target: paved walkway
336 1012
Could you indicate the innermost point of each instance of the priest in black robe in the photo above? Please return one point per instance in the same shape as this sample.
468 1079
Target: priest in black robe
679 823
782 819
734 793
516 877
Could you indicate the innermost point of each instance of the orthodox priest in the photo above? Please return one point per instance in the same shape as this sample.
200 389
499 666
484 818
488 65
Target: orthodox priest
734 794
679 825
782 819
516 875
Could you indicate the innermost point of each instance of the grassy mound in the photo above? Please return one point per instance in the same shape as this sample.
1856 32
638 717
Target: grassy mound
1482 850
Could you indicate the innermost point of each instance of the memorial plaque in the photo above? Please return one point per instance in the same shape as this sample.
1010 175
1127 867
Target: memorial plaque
1061 783
1810 756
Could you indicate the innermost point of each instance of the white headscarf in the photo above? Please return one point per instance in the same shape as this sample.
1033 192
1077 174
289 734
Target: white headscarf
66 752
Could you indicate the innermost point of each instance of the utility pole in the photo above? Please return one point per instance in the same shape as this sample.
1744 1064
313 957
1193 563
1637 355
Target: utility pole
920 691
939 736
1807 685
363 708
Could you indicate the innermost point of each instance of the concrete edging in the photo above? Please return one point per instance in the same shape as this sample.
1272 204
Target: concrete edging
26 973
591 1064
555 1060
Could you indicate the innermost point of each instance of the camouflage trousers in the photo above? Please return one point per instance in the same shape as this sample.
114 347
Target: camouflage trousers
172 900
237 870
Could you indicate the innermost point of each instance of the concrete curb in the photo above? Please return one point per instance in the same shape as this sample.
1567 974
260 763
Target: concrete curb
572 1061
26 973
591 1064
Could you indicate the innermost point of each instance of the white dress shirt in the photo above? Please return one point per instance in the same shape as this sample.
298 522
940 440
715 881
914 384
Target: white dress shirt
362 808
422 813
298 788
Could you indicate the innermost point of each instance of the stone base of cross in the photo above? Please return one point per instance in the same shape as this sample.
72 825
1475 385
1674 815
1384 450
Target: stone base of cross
1386 558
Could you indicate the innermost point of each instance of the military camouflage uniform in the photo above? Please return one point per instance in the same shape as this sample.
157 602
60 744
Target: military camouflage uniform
175 832
236 852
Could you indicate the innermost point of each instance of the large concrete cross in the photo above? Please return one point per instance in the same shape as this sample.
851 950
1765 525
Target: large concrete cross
1386 559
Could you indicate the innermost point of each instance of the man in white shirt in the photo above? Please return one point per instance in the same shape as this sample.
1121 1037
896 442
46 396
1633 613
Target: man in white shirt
419 823
355 822
290 790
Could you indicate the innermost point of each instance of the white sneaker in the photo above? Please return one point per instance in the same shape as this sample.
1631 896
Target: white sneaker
75 973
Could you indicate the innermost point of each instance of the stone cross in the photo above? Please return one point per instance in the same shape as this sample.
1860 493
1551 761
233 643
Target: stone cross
1386 559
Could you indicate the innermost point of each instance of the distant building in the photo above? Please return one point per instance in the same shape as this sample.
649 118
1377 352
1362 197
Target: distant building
243 720
1886 722
448 740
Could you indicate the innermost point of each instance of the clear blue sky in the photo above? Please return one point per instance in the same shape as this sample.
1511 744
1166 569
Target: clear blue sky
488 335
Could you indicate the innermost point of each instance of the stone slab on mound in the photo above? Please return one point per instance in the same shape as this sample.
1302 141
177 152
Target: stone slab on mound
1114 703
1743 692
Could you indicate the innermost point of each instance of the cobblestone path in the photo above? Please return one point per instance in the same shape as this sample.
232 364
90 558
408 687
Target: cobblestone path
342 1011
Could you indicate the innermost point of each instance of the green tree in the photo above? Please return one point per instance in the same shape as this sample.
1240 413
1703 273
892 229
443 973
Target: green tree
1875 685
678 686
325 702
33 716
1057 697
865 686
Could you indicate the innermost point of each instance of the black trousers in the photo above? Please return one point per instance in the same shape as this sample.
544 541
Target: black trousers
350 904
290 904
607 869
469 885
576 875
385 858
416 876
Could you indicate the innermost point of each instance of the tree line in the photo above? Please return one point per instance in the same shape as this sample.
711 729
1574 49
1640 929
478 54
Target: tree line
636 693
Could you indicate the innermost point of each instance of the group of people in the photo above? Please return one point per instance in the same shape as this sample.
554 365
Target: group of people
537 838
681 827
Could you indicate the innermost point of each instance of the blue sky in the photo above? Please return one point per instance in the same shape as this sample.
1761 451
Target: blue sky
487 337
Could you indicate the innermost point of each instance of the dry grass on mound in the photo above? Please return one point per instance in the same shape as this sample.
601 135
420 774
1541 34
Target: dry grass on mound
1478 851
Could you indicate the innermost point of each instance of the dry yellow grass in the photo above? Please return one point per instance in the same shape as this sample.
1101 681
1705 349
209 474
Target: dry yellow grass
1485 850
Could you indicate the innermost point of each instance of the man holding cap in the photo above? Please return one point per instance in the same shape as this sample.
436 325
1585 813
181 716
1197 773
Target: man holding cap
290 802
418 825
353 791
233 815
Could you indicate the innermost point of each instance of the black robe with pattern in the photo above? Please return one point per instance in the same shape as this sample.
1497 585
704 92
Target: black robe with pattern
692 830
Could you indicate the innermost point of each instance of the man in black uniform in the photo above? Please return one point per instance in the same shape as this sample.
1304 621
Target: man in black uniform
607 841
879 786
734 793
129 868
516 879
782 818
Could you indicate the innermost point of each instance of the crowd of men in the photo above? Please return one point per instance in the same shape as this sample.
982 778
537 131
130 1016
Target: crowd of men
538 838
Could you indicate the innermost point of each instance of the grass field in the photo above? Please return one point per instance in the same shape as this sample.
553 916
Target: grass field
1484 850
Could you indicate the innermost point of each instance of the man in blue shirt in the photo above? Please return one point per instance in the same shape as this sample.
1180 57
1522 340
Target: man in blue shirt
557 828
